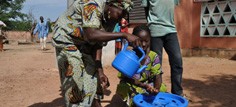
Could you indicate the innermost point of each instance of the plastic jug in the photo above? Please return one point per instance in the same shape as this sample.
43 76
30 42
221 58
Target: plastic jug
127 62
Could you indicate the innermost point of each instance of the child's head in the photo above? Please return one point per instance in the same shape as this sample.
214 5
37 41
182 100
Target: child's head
143 32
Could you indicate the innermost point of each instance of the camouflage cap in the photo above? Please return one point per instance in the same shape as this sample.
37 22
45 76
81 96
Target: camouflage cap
126 5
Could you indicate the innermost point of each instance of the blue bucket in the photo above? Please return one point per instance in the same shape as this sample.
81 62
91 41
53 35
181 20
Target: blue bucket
160 100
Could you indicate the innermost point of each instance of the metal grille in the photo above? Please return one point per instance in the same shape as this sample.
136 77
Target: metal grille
218 18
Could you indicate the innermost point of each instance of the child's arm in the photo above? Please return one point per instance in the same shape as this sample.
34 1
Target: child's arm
157 81
149 88
134 82
156 71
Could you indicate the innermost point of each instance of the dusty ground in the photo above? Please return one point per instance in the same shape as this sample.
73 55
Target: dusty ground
29 78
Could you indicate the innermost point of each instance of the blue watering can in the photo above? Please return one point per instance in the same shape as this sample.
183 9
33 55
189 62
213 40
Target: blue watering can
128 63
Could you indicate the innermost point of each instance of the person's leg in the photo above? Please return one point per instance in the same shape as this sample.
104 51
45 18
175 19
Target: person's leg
41 42
157 46
124 92
62 66
61 60
90 80
44 42
78 81
171 45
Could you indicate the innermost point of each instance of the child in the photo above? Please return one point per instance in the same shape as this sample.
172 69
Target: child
150 79
124 25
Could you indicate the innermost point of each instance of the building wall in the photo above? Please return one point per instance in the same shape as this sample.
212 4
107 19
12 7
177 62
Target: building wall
183 21
187 19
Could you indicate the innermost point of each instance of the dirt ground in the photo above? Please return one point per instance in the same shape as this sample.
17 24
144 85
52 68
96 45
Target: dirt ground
29 78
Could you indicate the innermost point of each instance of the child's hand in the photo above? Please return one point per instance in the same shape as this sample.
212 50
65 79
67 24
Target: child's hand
151 89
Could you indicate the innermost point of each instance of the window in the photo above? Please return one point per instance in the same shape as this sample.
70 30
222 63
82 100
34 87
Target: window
218 18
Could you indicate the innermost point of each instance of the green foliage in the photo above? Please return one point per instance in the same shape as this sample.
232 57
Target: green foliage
49 25
10 14
20 25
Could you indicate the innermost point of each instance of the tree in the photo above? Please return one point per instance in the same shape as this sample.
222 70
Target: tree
31 16
11 15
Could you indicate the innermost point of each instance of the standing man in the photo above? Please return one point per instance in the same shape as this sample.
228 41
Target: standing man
160 17
42 28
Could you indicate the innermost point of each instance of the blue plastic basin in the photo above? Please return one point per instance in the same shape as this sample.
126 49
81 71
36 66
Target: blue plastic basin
160 100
